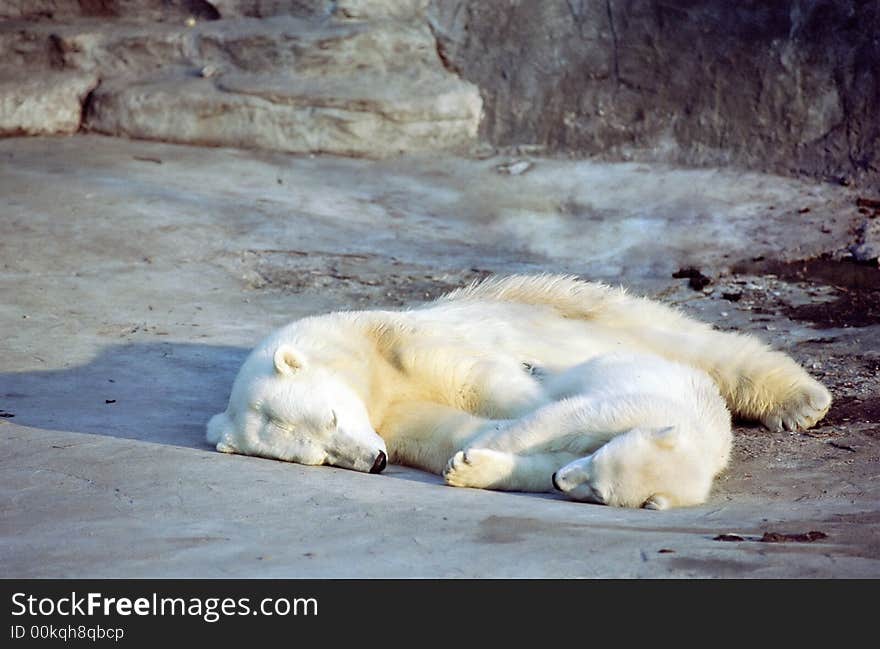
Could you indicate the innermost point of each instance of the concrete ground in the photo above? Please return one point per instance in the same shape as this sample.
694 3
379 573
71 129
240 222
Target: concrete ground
136 276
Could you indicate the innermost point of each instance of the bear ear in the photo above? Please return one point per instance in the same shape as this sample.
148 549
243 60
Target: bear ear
657 501
667 437
287 360
219 427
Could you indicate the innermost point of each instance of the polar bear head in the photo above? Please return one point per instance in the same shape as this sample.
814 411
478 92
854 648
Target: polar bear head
651 468
285 407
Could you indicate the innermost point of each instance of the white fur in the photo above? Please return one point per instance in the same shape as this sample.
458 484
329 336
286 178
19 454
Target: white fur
673 432
504 383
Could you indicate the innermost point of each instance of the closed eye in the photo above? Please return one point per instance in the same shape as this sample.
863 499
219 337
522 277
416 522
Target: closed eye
599 496
280 424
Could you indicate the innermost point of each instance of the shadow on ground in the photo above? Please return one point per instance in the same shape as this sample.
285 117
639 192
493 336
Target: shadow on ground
153 392
162 393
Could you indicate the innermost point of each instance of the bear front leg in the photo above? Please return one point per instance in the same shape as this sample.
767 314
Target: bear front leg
424 435
482 468
578 425
523 454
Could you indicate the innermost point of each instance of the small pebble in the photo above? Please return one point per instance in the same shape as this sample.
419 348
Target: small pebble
516 168
209 71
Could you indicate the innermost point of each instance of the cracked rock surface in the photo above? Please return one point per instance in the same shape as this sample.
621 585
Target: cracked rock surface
791 86
358 77
42 104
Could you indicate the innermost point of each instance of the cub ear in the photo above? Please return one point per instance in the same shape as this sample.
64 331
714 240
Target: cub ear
667 437
656 502
287 360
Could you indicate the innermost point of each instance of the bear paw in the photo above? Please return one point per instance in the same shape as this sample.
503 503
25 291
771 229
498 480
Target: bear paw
478 468
803 409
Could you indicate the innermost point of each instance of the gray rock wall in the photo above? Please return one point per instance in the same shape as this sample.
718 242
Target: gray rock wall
787 85
791 86
349 77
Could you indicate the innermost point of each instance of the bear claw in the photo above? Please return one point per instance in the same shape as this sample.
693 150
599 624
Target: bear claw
804 410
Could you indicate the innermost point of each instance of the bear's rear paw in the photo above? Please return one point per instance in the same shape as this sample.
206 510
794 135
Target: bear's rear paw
803 409
478 468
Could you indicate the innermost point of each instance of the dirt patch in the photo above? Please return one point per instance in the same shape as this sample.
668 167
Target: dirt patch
373 280
818 310
782 537
696 279
849 310
775 537
854 410
855 297
842 274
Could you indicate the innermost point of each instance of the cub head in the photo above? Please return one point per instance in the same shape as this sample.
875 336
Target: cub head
285 407
650 468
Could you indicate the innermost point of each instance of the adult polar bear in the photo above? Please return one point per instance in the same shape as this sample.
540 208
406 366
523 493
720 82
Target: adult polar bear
517 383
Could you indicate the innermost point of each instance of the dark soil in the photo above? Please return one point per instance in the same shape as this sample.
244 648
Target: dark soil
696 279
857 290
369 280
854 410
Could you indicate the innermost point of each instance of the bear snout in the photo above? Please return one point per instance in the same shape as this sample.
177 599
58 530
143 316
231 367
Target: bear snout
380 463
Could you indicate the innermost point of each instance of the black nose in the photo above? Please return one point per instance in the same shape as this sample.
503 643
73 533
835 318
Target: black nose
555 484
380 463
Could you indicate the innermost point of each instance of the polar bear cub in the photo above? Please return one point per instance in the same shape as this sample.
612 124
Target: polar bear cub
682 441
650 432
